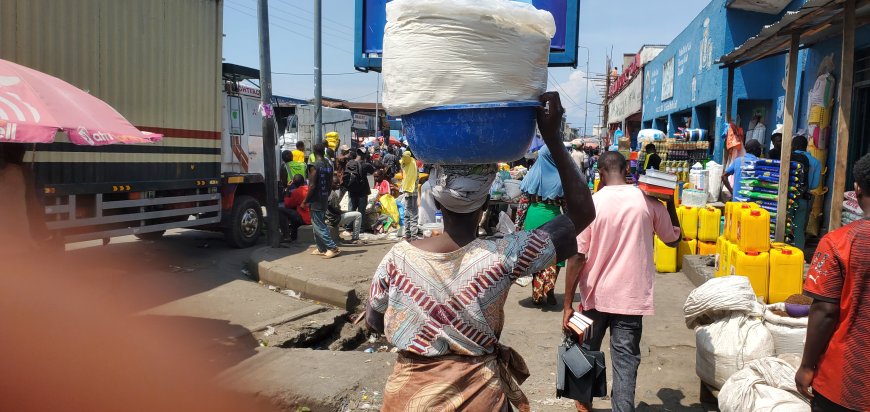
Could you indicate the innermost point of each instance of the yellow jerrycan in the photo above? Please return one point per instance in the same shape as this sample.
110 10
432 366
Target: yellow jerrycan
736 213
755 266
786 273
706 248
753 230
708 224
686 247
688 221
665 257
722 257
729 207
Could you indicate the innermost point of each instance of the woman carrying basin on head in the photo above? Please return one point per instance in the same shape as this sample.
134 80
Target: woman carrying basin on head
440 300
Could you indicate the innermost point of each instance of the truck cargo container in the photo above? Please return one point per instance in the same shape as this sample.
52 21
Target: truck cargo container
159 64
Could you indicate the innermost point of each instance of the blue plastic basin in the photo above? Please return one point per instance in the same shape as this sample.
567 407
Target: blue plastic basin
472 133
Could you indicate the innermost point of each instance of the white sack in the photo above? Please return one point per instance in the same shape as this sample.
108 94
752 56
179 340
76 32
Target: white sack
727 345
463 51
765 385
718 297
789 334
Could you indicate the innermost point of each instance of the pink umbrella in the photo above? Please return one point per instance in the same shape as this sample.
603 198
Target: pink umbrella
34 106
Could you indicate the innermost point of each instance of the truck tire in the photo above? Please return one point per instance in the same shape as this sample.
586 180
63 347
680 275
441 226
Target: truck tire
246 223
150 235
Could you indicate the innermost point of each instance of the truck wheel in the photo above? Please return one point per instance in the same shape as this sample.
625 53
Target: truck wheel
246 222
150 235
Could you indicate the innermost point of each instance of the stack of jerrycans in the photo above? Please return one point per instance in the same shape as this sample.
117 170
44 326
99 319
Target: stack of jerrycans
688 217
751 258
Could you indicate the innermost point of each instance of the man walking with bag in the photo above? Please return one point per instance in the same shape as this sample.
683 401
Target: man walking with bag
615 271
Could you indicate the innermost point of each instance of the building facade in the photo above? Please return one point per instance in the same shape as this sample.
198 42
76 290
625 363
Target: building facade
683 86
625 97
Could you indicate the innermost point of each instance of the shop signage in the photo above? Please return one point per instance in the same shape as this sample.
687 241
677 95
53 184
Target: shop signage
668 79
363 121
627 102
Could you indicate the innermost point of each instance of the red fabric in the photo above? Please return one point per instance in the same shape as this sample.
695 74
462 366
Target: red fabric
295 200
840 272
383 187
735 136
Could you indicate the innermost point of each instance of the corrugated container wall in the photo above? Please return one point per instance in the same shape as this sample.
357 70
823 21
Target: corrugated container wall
157 62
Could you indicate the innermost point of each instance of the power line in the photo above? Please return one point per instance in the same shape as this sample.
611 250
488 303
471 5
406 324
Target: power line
559 86
245 12
325 18
358 97
312 74
308 25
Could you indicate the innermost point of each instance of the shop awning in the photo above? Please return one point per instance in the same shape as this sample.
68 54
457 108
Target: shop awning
815 21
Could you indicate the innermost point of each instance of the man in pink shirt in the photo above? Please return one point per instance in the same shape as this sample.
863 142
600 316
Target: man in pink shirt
615 271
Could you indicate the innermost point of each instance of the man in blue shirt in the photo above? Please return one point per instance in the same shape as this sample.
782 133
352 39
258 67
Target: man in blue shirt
753 151
813 178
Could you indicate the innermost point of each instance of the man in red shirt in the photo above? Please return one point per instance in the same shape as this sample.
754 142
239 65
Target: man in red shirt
836 361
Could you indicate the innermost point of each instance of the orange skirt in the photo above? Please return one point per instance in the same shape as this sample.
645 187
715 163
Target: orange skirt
457 383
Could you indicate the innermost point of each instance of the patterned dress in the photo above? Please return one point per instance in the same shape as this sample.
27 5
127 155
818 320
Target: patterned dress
446 310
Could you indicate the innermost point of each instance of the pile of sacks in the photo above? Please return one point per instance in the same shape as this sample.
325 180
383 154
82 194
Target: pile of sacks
735 349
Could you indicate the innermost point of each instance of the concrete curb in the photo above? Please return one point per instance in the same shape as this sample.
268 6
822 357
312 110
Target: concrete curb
266 264
695 268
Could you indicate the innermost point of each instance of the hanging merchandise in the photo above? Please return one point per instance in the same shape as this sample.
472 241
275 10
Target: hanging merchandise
463 51
821 103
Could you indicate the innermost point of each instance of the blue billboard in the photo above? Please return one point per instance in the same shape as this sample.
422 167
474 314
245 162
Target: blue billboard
371 17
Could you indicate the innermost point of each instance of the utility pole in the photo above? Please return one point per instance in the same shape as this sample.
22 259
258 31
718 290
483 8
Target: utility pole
586 75
377 103
318 75
606 108
270 161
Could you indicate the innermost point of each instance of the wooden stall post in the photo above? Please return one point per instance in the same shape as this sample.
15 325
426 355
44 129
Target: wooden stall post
729 105
844 114
787 135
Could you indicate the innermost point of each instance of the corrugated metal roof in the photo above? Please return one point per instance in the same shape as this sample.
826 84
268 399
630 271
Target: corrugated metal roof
816 20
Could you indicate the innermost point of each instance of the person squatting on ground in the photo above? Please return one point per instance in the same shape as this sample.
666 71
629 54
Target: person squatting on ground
615 271
336 218
355 180
440 300
294 213
836 358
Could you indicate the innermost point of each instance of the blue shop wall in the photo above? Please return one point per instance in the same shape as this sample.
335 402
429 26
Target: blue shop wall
830 54
700 87
696 79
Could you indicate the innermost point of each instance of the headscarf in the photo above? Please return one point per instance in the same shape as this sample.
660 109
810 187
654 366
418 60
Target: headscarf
462 188
543 178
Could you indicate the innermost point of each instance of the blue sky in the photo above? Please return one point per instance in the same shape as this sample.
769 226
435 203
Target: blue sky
622 26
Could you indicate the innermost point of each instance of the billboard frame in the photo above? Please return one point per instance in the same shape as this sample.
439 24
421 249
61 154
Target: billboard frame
559 58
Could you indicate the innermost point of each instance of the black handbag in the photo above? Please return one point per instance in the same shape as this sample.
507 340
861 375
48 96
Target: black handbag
580 374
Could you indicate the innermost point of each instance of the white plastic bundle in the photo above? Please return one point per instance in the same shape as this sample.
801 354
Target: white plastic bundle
463 51
728 344
719 297
765 385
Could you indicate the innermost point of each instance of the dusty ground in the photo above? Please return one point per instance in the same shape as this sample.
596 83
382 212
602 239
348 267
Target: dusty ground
202 282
